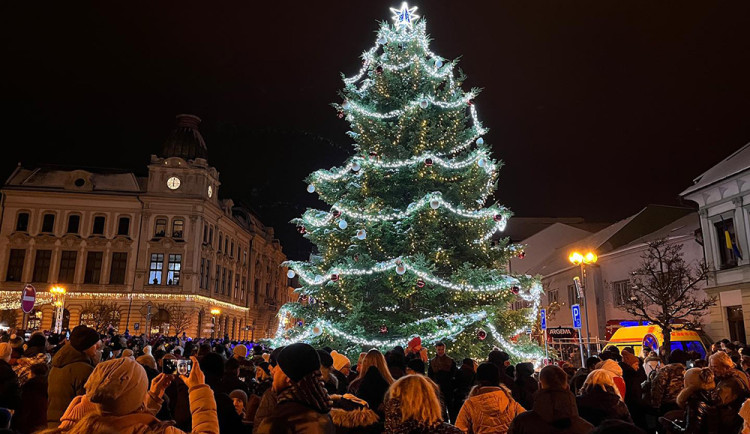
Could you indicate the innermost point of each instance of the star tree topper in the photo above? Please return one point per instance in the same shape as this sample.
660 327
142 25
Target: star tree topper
404 16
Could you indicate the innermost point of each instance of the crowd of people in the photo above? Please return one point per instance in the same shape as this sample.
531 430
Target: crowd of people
85 382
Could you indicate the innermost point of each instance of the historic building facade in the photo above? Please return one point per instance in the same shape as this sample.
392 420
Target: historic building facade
160 253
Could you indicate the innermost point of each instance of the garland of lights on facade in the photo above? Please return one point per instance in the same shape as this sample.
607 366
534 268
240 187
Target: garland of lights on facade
407 245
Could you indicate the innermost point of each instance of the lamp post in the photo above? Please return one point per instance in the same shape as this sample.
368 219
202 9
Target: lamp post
581 259
214 313
58 296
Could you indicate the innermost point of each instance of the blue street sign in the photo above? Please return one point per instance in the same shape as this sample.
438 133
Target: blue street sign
576 311
544 318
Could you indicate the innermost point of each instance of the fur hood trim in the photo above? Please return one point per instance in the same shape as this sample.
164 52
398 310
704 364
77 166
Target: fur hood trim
358 418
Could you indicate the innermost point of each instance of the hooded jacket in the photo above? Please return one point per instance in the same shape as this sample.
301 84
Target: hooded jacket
596 404
554 412
70 370
525 386
488 410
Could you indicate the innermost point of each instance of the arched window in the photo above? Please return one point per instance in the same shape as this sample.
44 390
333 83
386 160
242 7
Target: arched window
178 225
160 227
98 226
160 322
74 221
34 321
22 222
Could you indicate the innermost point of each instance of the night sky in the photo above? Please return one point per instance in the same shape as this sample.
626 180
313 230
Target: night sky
597 108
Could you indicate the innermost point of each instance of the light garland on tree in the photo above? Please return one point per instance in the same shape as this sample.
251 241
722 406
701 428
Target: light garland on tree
463 102
317 218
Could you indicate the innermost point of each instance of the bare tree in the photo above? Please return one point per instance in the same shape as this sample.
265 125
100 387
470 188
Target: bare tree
665 288
99 315
179 318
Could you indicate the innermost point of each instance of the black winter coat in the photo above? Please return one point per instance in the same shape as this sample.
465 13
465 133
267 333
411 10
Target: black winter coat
596 405
634 392
291 417
554 412
10 393
524 389
33 403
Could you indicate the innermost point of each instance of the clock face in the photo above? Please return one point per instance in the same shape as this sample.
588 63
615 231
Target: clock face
210 191
173 183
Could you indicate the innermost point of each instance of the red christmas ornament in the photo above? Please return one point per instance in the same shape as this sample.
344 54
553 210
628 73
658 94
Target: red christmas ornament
522 254
334 277
515 289
481 334
373 154
428 162
383 329
302 229
336 213
470 102
356 258
420 283
498 217
379 70
341 115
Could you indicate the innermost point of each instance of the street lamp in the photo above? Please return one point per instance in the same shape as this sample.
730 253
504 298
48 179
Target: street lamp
58 297
214 313
581 259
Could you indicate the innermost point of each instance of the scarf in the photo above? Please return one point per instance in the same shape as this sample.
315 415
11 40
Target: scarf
309 391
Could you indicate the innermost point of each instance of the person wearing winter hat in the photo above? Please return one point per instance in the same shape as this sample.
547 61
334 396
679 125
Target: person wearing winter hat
127 353
612 367
341 369
247 368
490 406
501 360
600 400
269 397
696 399
71 367
117 396
239 398
326 369
415 366
303 403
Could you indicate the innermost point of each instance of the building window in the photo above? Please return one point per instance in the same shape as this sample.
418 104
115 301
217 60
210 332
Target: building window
229 286
160 228
236 285
118 268
244 257
231 250
552 296
15 265
256 293
48 223
217 276
573 295
221 239
41 265
208 273
223 281
210 235
203 270
22 222
728 246
205 233
98 227
93 271
268 289
173 269
226 245
177 228
123 226
74 221
242 288
155 268
67 266
621 291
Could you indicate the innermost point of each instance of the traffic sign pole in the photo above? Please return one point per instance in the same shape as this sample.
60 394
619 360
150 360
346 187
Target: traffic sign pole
543 315
576 311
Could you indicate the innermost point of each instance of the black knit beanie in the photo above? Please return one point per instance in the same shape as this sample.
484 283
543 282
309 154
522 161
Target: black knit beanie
488 375
298 360
325 358
83 338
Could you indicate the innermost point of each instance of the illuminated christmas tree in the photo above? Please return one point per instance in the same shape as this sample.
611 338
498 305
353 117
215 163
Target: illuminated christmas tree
406 247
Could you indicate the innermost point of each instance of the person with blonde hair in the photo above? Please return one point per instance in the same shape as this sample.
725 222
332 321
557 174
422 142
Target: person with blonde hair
724 368
600 399
373 380
412 407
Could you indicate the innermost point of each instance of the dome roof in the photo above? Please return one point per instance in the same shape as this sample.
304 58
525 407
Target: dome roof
185 141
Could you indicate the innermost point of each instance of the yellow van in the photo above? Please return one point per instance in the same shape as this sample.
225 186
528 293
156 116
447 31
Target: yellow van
651 336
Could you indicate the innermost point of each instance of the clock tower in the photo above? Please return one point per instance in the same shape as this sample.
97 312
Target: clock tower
181 169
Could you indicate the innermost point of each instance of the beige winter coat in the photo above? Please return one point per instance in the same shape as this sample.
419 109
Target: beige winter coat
202 408
488 410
